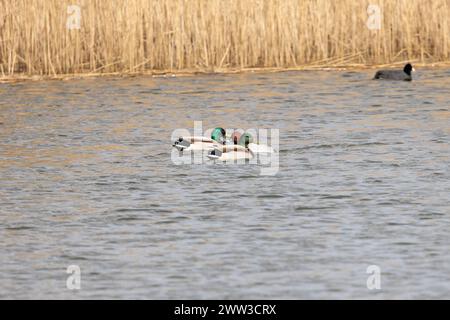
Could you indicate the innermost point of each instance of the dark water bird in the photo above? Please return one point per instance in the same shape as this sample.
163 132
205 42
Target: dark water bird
404 74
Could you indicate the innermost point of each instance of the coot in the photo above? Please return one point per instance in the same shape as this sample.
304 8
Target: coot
404 74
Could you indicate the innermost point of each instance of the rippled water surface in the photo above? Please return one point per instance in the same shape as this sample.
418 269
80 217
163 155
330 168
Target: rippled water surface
87 179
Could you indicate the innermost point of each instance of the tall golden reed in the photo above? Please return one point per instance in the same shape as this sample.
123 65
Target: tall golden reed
142 35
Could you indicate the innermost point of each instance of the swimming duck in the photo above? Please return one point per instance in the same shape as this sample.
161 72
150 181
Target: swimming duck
237 150
404 74
247 140
194 143
243 147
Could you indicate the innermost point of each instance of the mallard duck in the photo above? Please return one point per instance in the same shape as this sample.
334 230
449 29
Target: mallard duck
243 147
194 143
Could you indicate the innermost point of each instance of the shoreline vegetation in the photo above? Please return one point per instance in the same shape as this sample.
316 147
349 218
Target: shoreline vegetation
188 73
66 39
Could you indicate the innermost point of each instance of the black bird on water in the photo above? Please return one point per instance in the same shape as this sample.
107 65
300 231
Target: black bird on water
404 74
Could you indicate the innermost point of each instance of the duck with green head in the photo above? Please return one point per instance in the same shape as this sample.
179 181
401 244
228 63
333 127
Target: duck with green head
242 146
194 143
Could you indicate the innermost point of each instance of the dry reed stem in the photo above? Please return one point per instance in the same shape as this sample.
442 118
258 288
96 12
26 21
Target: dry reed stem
215 35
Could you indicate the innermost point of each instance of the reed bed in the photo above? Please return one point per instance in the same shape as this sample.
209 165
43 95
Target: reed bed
215 35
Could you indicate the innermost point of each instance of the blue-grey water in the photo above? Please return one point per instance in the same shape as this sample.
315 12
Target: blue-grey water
87 179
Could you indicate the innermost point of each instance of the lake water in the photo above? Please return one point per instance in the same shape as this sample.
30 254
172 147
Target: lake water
87 179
